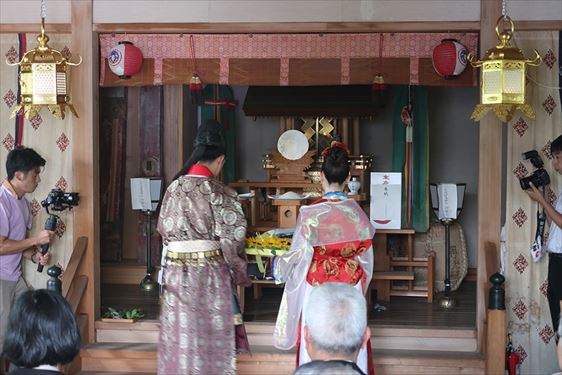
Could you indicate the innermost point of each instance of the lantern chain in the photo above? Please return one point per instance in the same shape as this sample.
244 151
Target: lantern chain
504 8
43 9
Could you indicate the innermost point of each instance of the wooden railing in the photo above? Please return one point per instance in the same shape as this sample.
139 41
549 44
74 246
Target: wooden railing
73 287
495 325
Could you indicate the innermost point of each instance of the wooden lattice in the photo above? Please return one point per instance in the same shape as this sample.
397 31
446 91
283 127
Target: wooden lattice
291 170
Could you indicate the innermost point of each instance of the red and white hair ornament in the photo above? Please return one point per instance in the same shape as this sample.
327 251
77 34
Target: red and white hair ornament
335 144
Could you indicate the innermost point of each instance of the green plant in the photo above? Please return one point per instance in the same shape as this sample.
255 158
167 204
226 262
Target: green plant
112 313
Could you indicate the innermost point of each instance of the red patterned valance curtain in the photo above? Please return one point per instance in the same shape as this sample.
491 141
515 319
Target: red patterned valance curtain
287 59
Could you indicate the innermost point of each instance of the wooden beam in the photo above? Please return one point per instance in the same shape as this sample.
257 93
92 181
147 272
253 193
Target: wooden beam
85 155
489 180
50 28
282 27
288 27
538 25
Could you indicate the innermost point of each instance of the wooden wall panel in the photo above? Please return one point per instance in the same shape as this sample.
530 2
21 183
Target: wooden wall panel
140 79
150 121
310 72
256 72
395 70
172 132
428 76
179 71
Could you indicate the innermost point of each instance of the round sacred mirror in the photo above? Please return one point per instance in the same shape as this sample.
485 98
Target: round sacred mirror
292 144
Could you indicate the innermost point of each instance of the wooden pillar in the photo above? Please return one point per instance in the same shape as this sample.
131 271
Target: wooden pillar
345 131
355 150
84 93
489 180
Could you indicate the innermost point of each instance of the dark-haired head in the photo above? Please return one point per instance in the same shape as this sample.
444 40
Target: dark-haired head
22 159
208 146
41 330
336 164
556 145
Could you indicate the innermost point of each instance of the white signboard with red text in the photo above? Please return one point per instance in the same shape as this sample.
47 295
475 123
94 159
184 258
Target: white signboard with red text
386 200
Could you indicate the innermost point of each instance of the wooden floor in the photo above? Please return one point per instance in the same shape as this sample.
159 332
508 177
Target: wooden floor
400 311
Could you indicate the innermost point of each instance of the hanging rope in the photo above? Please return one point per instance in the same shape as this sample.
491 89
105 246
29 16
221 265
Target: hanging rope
43 9
195 84
381 60
378 81
192 48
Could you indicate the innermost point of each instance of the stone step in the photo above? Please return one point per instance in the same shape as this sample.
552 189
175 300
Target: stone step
260 334
104 358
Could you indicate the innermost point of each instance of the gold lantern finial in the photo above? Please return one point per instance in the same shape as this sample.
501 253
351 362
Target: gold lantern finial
44 79
502 82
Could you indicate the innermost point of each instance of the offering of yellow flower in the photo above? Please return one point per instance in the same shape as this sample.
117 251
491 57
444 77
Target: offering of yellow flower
268 241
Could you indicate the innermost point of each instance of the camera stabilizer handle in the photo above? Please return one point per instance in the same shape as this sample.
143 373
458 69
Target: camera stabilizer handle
50 224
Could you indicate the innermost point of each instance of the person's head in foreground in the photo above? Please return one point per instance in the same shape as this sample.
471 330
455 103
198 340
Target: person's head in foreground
328 368
41 330
335 322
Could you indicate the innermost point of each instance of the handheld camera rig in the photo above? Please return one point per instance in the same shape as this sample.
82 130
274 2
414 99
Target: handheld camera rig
57 200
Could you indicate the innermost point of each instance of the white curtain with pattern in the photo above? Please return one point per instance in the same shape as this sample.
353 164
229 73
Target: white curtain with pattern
51 138
526 282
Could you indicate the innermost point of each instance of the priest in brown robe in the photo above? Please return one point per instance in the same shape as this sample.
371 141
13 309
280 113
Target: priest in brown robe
203 225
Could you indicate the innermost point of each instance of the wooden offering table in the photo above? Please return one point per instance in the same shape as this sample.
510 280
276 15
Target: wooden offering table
259 213
287 212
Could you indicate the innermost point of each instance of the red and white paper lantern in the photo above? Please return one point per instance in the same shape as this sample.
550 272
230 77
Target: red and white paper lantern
449 58
125 60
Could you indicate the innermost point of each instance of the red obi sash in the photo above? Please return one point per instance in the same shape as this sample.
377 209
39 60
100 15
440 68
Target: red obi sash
337 263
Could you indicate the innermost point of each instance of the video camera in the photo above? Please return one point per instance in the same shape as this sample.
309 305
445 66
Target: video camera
58 200
540 176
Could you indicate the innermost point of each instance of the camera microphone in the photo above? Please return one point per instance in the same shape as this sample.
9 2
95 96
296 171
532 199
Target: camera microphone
50 224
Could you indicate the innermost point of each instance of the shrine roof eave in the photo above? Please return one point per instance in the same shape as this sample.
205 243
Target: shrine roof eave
332 101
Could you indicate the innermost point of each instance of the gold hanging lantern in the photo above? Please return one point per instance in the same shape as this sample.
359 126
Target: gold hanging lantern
44 80
502 82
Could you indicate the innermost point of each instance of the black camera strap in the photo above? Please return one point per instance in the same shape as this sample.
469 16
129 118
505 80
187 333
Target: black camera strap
536 248
541 222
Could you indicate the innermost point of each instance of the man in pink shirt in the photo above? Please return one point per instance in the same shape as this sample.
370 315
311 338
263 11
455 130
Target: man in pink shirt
23 166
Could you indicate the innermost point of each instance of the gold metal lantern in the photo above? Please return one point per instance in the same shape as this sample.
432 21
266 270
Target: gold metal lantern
44 80
503 77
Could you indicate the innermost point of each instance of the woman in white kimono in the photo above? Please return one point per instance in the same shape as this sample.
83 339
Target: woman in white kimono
332 243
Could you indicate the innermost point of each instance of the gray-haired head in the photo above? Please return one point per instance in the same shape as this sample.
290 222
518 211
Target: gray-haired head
328 368
336 317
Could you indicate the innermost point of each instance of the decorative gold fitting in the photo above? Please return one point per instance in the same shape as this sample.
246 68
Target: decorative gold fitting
379 79
195 80
504 50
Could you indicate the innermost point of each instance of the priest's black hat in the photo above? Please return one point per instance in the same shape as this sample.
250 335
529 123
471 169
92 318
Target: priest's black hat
209 134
